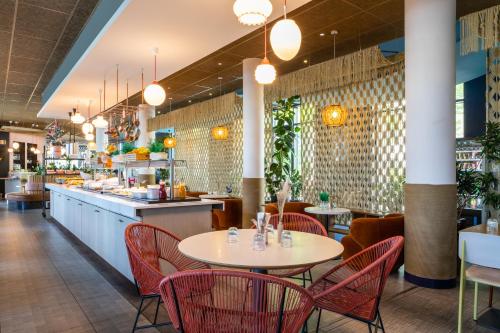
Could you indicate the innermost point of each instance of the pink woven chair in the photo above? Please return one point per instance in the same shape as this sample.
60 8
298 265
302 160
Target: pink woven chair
146 245
303 223
234 301
354 287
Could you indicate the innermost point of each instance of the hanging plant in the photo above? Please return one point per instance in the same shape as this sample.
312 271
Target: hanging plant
285 131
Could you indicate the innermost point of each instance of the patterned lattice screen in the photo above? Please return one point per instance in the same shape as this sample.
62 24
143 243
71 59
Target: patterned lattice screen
211 164
361 164
493 84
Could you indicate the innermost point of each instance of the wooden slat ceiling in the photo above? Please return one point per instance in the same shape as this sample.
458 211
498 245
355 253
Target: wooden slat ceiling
360 23
34 39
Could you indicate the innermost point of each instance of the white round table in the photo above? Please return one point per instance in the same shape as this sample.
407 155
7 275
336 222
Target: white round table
326 212
213 248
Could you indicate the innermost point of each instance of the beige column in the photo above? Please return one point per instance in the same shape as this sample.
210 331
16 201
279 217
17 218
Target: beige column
430 191
253 190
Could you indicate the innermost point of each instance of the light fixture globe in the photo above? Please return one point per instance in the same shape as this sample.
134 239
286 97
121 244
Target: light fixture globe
15 145
170 142
87 128
89 136
252 12
334 115
265 73
286 39
77 118
100 122
220 133
10 150
37 151
154 94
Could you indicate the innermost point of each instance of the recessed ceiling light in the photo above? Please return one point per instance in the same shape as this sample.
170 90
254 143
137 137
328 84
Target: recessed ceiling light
210 94
158 112
220 78
189 101
220 64
305 61
168 87
170 98
322 34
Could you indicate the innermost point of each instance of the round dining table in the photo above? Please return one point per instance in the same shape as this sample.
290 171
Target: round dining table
213 248
325 213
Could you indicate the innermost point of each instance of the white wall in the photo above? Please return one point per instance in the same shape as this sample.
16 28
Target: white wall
38 140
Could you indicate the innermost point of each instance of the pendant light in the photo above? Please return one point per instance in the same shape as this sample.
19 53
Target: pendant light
15 145
154 94
77 118
170 142
334 115
265 73
252 12
286 38
221 132
87 126
89 136
99 121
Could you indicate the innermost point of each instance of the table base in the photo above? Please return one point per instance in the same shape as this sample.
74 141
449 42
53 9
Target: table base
490 319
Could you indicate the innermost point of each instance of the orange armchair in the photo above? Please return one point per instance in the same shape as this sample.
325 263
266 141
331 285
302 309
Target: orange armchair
231 216
290 207
365 232
194 194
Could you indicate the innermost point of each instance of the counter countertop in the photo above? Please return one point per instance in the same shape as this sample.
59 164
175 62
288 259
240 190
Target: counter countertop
122 206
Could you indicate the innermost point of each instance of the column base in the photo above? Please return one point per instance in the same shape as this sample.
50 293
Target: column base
253 192
430 283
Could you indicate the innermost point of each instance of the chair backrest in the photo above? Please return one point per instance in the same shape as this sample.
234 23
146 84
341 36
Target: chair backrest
33 187
364 276
234 301
195 194
371 230
290 207
146 245
299 222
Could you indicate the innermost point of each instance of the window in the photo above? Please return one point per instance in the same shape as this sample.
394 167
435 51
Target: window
459 110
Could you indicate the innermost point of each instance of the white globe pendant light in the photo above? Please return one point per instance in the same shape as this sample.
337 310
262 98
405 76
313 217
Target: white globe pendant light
252 12
89 136
265 73
286 38
154 94
100 122
77 118
87 126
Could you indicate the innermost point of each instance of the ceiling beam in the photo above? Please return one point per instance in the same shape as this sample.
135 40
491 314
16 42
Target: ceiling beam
14 18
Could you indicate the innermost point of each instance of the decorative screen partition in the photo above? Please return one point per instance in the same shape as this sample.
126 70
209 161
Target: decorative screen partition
211 164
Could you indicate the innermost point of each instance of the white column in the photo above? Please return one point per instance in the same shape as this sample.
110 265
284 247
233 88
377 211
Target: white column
430 91
253 121
145 112
253 142
430 191
101 139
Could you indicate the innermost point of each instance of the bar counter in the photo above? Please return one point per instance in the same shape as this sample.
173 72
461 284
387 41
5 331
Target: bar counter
99 220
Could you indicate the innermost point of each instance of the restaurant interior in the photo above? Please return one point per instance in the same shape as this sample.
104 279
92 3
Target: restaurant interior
249 166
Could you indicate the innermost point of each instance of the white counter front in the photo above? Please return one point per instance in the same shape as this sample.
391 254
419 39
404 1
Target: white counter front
99 220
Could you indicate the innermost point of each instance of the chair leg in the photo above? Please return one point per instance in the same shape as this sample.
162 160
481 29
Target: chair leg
303 279
474 314
381 322
138 314
369 328
461 290
157 308
319 319
310 276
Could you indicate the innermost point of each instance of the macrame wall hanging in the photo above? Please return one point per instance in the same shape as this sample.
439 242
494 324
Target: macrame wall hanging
480 30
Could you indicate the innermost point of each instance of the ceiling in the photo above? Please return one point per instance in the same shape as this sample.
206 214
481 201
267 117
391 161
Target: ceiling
35 36
360 24
183 31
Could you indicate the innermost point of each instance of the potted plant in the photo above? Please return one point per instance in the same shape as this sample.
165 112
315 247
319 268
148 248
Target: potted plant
54 139
280 169
156 151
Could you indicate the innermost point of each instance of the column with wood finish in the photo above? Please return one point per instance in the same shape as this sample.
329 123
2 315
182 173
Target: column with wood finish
430 190
253 142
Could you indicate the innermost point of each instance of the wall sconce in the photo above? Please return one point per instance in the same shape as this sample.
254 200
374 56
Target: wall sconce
334 115
220 133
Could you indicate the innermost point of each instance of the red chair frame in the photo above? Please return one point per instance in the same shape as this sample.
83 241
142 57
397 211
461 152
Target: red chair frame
354 287
234 301
146 245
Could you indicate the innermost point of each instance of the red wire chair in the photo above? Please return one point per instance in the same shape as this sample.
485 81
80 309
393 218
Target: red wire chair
303 223
354 287
146 245
234 301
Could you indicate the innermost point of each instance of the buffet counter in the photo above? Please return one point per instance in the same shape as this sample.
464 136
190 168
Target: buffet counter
99 220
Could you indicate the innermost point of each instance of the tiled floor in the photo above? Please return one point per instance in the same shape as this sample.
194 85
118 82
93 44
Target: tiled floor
51 283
